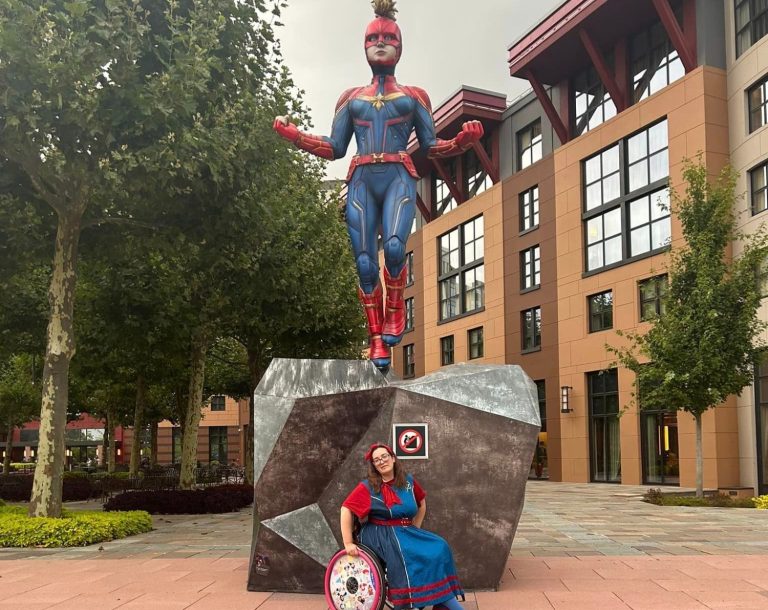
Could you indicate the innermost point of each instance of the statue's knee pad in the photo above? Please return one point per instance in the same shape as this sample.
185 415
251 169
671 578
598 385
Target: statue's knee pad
367 272
394 252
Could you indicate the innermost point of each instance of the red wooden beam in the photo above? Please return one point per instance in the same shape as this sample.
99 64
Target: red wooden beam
423 208
549 108
603 71
669 21
452 187
485 161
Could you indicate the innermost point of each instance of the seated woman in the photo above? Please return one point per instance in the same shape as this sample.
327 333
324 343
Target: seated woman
419 564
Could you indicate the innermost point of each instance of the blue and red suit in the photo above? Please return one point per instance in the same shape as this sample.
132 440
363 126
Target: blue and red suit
381 193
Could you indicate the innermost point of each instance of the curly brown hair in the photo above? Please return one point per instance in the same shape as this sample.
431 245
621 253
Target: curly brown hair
374 478
384 8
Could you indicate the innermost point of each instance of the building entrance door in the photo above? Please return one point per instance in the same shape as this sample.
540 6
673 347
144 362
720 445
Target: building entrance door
761 427
660 450
604 431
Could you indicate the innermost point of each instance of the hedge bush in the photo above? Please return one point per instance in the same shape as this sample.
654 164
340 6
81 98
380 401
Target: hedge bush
74 528
761 502
655 496
18 488
217 499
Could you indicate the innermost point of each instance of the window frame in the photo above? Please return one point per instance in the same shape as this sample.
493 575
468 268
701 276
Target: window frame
533 206
592 84
661 279
534 266
750 27
472 333
409 361
223 443
524 327
541 394
763 166
447 350
647 56
217 405
409 266
601 314
536 141
460 272
762 85
410 314
622 202
445 196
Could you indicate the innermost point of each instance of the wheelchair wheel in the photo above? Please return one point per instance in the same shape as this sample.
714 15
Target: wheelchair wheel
355 583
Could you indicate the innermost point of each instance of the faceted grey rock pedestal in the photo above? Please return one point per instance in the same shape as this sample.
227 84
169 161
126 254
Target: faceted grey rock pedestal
315 421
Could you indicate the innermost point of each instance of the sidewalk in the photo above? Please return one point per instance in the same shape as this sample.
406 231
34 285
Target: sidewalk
577 546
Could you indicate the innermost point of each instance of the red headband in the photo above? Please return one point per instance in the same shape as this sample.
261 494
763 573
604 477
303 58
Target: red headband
375 446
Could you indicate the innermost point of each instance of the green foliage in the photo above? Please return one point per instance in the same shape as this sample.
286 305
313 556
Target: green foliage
19 395
74 528
655 496
705 347
761 502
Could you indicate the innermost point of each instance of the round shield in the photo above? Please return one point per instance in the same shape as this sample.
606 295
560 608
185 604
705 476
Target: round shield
355 583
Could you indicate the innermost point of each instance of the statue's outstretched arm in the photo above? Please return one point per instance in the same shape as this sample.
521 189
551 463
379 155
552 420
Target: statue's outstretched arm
471 131
333 147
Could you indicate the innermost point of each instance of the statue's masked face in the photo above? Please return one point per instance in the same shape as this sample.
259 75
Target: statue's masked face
383 42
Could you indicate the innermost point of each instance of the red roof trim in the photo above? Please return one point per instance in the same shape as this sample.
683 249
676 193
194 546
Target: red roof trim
559 23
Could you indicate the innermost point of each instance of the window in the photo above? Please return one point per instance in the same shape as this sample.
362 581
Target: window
758 179
409 362
529 145
751 23
408 314
476 177
529 209
475 341
446 350
626 199
530 268
541 391
652 296
409 266
531 329
762 279
604 437
462 275
218 403
176 445
757 97
592 104
600 311
655 62
442 199
217 444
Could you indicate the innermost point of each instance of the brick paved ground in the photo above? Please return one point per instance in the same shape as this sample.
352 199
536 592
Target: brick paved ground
578 546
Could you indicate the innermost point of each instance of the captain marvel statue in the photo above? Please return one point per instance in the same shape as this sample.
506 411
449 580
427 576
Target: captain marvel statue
382 177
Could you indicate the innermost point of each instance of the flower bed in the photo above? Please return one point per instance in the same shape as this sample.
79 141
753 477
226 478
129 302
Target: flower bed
217 499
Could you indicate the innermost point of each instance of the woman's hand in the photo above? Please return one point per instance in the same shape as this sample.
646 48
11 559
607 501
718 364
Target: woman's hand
351 549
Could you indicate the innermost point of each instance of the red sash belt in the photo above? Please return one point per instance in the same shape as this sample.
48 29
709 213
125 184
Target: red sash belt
398 157
390 522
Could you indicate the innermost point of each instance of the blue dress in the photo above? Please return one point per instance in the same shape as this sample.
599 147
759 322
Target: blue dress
419 564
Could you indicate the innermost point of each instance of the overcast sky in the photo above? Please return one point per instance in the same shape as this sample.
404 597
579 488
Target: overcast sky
446 44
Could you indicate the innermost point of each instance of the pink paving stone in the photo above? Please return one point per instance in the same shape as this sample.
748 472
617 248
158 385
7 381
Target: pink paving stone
12 589
615 573
50 594
230 601
530 600
660 601
152 601
761 583
26 606
758 562
107 601
712 584
584 600
293 601
702 572
521 572
536 584
612 586
733 599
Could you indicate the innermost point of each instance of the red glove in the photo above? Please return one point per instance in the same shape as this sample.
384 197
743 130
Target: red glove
286 129
471 132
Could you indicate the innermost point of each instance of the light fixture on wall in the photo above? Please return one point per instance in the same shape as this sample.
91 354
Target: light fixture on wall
565 399
119 451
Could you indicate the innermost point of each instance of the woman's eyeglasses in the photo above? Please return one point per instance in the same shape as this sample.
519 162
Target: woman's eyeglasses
381 460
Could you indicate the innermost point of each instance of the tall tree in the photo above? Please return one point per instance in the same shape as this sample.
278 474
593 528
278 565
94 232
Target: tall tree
705 346
100 94
19 398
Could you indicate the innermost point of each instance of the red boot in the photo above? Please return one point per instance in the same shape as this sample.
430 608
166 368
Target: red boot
374 312
394 317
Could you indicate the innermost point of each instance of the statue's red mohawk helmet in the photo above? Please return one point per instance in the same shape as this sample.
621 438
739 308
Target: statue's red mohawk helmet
383 28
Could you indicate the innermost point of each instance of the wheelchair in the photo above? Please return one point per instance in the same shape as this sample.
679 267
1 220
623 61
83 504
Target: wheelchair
356 583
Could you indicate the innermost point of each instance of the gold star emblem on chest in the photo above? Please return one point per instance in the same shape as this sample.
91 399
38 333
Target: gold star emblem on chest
378 100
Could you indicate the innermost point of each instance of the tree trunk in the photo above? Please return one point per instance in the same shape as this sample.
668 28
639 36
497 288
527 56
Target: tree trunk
138 426
8 449
699 458
199 348
105 442
153 443
112 451
60 349
256 373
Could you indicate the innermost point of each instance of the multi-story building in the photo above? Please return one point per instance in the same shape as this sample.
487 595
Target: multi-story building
534 247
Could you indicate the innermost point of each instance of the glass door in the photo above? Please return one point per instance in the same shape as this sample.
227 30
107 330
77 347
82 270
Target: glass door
604 432
761 427
661 464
